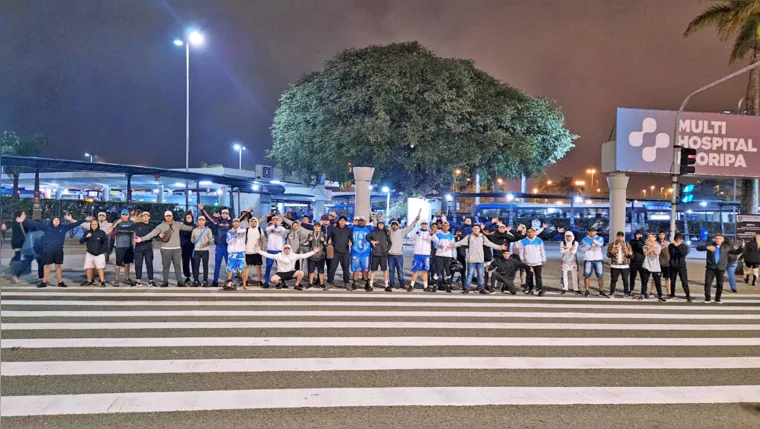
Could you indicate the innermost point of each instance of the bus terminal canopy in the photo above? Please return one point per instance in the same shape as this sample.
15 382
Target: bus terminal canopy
50 165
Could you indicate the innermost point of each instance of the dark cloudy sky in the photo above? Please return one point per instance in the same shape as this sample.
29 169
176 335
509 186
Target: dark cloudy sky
103 75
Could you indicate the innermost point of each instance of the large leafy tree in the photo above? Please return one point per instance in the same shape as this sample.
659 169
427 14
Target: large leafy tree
21 145
415 117
738 20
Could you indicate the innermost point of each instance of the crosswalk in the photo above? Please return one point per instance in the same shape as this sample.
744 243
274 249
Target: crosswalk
178 358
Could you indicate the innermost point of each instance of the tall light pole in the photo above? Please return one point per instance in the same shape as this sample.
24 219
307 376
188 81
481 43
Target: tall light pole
91 156
240 148
591 171
194 38
387 192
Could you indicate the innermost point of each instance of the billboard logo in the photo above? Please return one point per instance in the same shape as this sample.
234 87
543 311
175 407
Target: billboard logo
661 140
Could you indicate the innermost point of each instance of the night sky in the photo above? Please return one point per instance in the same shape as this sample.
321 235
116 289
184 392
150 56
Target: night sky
103 75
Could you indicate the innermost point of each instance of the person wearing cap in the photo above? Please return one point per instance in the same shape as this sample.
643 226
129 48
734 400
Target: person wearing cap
475 242
52 246
380 241
592 245
255 240
442 241
286 266
219 227
143 251
123 244
105 226
317 240
422 240
396 251
94 258
202 239
297 238
276 236
360 252
534 255
620 254
171 251
568 250
235 254
187 247
340 238
678 251
637 246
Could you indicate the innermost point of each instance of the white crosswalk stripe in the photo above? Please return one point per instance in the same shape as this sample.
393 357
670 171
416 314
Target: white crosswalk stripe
75 353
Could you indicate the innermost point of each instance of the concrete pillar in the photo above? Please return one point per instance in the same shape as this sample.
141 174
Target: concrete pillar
618 183
362 180
106 192
477 187
59 192
319 209
523 184
160 195
265 204
223 196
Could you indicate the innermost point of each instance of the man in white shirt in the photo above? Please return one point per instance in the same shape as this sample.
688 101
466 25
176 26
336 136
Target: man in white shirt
276 234
286 265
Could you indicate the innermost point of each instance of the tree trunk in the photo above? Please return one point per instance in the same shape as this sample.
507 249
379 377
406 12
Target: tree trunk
15 193
749 200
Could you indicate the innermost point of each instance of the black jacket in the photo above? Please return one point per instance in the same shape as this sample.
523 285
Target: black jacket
678 255
751 252
97 242
507 267
17 239
722 263
340 238
383 242
141 230
637 246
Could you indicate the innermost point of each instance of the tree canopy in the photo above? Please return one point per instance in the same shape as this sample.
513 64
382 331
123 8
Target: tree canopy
415 117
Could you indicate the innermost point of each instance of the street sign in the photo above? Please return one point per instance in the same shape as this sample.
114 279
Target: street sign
747 225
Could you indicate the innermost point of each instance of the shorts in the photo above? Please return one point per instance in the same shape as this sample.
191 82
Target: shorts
253 259
666 272
359 262
94 262
124 256
590 266
287 275
52 257
421 263
318 266
235 262
379 261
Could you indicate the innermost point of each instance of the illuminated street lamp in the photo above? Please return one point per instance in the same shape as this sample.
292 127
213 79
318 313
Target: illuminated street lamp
591 171
91 156
387 191
240 148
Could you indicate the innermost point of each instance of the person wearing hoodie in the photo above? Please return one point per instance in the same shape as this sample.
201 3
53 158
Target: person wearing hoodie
443 241
678 251
297 237
186 244
752 259
171 251
505 268
651 267
276 237
201 238
95 257
396 252
620 254
592 245
534 255
144 250
380 241
235 254
286 266
52 246
340 238
568 250
123 244
317 241
422 240
637 246
255 240
475 259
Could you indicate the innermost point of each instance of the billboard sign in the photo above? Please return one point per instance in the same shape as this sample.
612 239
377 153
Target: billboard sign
726 145
747 225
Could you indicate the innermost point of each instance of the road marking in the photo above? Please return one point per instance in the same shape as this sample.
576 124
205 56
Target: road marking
150 402
379 314
376 325
35 343
171 303
319 294
364 364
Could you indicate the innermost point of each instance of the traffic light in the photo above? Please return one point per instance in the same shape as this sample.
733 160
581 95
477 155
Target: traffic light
688 160
686 193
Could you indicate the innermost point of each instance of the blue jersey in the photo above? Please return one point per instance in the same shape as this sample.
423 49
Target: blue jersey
360 244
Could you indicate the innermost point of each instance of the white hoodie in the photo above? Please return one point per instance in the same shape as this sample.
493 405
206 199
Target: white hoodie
592 248
236 240
276 237
532 251
287 262
569 249
422 240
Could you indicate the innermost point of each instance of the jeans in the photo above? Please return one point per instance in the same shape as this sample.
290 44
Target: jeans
342 259
731 273
187 257
221 253
645 281
396 264
711 274
147 256
270 262
623 273
443 267
472 269
535 274
173 257
200 256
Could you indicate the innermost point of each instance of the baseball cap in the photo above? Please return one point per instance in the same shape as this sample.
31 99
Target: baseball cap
145 213
124 211
201 217
394 221
102 214
168 213
225 211
361 218
424 221
381 221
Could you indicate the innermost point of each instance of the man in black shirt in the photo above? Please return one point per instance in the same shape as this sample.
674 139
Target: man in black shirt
340 238
637 260
504 270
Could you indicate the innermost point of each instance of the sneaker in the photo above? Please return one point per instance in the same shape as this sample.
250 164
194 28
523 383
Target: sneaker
115 283
389 289
195 284
278 286
298 287
448 289
717 301
366 284
706 301
354 286
165 284
215 283
734 291
577 292
673 297
187 280
181 284
643 297
603 294
151 283
563 292
465 291
611 296
137 284
284 286
427 289
587 293
62 284
368 287
205 284
102 284
85 283
410 288
129 282
326 287
527 292
661 299
266 286
688 298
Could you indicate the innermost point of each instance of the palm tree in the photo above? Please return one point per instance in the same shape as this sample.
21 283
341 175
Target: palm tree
738 20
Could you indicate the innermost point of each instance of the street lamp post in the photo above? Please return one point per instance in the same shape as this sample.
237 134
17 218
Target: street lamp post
240 148
387 191
580 184
195 38
591 171
91 156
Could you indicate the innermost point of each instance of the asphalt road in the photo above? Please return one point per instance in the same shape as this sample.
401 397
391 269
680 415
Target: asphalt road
356 359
